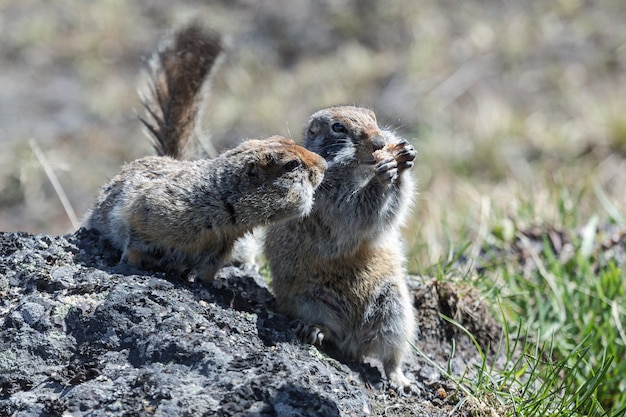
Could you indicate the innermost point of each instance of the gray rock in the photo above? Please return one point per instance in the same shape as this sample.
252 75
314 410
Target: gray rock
81 334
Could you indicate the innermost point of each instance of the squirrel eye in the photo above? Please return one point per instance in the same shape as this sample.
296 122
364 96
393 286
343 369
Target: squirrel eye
291 165
338 128
251 169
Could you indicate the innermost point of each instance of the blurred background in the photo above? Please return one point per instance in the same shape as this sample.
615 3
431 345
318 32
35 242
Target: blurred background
517 108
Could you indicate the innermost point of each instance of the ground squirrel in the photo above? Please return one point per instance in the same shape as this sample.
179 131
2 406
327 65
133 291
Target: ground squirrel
171 211
340 271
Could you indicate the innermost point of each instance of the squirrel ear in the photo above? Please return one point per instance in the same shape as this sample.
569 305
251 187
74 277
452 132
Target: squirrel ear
251 169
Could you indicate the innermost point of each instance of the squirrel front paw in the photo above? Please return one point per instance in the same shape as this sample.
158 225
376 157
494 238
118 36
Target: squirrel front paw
405 155
308 333
387 170
392 160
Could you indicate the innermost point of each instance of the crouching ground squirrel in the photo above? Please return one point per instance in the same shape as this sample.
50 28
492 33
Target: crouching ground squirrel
340 271
182 214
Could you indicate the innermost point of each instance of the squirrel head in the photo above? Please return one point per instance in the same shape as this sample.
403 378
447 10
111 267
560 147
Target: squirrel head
345 135
277 180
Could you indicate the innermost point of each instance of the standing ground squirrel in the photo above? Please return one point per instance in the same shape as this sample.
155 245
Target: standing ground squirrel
340 271
171 211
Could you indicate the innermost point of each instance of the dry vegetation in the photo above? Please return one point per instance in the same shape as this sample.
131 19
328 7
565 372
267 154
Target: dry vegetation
503 99
517 108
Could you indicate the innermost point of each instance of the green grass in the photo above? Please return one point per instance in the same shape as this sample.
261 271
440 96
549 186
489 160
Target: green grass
533 383
578 307
561 296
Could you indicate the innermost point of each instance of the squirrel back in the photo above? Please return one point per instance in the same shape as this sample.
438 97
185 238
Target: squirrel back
180 73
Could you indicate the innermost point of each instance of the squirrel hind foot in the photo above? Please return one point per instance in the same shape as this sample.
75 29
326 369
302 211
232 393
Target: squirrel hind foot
402 385
132 257
141 259
397 381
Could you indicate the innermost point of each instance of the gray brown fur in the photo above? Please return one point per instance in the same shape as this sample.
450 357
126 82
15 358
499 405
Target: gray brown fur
183 212
340 271
180 74
186 215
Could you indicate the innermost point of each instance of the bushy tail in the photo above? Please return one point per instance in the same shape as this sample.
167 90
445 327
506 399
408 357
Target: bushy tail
180 73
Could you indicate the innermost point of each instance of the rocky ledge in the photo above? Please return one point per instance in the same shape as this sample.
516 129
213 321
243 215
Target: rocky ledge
81 334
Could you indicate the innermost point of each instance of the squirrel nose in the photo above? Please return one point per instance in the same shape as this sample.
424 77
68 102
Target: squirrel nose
378 142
